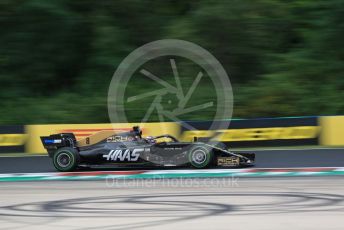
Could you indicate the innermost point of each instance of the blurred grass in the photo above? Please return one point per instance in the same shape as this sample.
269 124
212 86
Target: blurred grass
284 58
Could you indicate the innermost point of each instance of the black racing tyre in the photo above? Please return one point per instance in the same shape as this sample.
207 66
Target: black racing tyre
66 159
200 157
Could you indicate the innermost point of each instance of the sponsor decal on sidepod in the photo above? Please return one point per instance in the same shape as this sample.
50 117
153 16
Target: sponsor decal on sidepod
123 155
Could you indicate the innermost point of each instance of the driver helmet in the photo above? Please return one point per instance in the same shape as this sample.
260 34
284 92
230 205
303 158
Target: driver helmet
150 140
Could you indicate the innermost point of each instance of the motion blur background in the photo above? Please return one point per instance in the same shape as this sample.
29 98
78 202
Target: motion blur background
57 57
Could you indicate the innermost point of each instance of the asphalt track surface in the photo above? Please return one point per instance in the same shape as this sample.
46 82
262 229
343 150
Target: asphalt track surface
180 203
220 203
264 159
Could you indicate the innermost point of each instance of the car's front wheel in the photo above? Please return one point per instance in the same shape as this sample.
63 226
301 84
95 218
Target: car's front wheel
66 159
200 157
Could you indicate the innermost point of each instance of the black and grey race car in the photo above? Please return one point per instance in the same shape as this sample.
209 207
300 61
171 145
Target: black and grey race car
109 148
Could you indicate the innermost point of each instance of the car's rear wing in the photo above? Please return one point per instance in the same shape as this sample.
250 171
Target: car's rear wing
56 141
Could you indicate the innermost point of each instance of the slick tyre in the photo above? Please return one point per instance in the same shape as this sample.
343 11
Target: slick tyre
200 157
66 159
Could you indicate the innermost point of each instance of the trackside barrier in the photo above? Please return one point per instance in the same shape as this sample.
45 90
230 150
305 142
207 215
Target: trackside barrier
12 138
258 132
326 131
332 130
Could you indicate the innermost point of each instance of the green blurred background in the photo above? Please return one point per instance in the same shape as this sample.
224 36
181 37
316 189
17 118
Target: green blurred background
57 57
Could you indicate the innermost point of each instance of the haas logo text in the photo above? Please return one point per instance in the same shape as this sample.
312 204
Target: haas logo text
123 155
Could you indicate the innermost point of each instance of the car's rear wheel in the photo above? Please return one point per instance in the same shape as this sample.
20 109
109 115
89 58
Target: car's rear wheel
66 159
200 157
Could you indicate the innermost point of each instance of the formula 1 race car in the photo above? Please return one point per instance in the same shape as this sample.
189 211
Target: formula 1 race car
129 148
